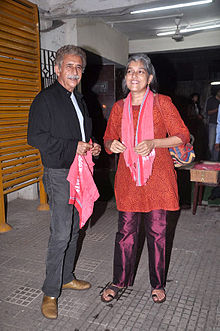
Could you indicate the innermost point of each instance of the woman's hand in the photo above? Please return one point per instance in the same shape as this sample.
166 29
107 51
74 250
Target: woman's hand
115 146
145 147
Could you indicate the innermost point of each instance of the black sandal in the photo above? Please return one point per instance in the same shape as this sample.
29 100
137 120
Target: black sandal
155 296
115 289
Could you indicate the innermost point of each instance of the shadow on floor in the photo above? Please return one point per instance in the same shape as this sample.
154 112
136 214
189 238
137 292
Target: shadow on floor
104 179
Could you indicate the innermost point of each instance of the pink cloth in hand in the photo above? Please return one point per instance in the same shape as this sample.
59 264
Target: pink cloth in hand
140 167
83 191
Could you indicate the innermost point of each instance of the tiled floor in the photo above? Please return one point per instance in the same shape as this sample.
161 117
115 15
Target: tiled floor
193 286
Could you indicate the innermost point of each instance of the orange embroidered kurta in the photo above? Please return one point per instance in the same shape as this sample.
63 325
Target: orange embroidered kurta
160 191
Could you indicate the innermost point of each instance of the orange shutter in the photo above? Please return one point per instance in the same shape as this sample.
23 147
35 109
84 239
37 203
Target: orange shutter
20 81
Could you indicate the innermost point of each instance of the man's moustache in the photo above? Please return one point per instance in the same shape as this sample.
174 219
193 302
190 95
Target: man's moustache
73 77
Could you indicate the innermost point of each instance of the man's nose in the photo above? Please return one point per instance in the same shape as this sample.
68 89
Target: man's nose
74 70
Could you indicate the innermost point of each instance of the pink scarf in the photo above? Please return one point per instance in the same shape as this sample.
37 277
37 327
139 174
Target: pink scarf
83 191
140 167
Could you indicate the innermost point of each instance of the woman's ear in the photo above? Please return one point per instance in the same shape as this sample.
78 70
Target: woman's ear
150 79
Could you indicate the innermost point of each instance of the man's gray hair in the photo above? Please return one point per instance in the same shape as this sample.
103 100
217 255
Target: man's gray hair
70 49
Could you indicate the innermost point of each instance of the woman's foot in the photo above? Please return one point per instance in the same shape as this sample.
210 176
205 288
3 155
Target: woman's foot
159 295
110 293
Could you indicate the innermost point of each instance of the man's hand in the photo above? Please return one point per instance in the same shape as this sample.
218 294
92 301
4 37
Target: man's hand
217 147
83 148
145 147
96 149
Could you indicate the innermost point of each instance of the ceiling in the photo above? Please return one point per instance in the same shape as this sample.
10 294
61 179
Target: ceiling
116 13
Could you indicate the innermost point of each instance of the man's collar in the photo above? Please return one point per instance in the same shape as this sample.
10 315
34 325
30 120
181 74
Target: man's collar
68 93
62 88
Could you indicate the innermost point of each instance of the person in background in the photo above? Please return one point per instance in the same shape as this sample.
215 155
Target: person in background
196 127
194 108
215 193
60 127
212 112
145 181
217 140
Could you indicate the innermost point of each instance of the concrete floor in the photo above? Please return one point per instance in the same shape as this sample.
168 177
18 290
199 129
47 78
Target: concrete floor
193 286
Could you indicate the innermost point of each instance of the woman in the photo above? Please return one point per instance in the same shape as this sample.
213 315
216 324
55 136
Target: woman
145 182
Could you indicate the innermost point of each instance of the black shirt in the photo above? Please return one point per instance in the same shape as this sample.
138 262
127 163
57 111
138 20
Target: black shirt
54 127
212 103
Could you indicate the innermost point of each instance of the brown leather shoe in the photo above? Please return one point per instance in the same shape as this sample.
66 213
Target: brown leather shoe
77 284
49 307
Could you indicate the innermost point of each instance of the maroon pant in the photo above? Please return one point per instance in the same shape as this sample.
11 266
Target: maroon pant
126 243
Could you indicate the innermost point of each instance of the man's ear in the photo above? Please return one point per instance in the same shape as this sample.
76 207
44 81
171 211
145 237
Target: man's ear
57 70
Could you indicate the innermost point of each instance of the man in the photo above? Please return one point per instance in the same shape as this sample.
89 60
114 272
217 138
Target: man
212 111
60 127
217 140
215 193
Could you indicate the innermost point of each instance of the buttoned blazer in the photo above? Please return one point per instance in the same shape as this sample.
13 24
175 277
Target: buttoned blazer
54 127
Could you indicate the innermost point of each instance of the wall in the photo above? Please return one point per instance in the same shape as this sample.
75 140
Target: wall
103 40
90 34
65 34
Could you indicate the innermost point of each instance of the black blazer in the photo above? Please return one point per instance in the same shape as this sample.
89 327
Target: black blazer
54 127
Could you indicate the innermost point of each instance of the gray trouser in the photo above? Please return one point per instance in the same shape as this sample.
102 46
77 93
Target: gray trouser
212 138
64 232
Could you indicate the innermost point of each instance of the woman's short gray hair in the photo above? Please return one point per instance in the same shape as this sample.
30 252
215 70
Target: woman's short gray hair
70 49
148 66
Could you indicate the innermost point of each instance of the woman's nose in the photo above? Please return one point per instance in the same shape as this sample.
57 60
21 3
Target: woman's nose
134 74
